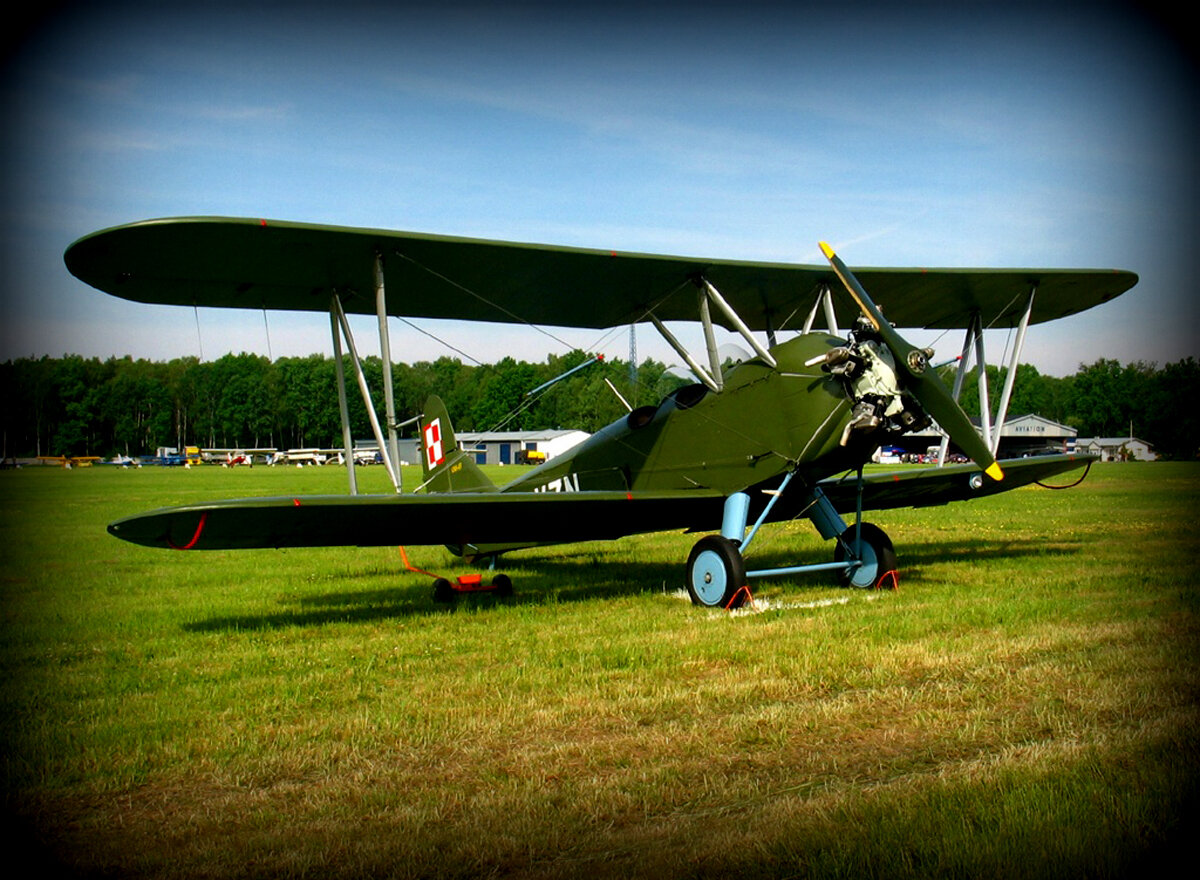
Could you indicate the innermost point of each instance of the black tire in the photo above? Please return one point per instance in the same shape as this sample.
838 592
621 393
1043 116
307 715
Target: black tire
502 586
879 557
715 573
442 591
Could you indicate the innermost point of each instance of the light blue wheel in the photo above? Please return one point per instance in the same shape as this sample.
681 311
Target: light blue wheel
868 569
715 573
875 554
710 580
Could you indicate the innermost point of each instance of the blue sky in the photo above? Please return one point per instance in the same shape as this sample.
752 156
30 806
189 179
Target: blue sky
974 135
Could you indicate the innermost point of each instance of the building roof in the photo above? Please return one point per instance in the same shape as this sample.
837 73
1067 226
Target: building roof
1110 441
514 436
1031 423
1023 427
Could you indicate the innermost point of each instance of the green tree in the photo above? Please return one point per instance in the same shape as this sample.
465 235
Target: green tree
136 407
74 405
1032 392
185 379
308 401
81 385
502 393
1172 420
1107 398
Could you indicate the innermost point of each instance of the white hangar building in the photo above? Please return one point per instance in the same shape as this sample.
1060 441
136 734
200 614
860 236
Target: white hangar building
500 447
1021 435
1116 448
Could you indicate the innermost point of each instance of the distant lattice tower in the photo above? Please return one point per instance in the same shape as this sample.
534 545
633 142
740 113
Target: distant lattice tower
633 363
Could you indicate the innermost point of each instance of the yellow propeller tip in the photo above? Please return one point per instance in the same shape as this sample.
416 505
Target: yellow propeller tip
994 471
826 250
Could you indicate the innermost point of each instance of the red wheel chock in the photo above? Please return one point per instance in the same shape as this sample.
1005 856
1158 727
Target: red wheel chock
742 591
444 588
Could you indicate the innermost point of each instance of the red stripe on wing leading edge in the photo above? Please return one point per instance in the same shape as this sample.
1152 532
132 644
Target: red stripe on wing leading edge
196 537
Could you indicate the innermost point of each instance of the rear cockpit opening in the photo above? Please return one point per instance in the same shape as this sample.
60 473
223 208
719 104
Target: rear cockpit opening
687 396
681 398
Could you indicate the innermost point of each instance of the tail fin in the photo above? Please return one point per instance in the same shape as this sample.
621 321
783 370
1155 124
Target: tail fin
446 467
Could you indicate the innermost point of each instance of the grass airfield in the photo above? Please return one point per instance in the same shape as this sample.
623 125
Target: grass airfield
1025 705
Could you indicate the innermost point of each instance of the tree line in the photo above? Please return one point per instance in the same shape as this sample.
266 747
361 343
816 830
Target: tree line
87 406
1108 399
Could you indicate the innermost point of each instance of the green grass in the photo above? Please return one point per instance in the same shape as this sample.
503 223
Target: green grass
1025 705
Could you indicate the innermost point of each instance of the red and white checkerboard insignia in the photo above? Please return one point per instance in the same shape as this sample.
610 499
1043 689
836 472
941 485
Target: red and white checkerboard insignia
433 443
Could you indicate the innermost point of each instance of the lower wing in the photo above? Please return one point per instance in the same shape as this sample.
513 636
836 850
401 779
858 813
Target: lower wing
528 518
383 520
928 487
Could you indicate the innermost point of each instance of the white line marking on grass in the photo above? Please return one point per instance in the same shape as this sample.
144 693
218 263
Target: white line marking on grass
761 605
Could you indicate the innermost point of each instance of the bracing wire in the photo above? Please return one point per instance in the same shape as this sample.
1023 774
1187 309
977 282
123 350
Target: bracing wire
483 299
199 340
267 330
527 402
443 342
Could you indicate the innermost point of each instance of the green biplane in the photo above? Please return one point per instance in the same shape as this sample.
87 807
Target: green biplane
783 434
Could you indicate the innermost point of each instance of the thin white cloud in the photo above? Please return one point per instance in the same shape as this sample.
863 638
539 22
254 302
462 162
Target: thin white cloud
237 112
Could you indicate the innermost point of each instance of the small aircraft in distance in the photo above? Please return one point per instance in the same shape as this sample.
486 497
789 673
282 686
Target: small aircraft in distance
70 461
780 435
239 456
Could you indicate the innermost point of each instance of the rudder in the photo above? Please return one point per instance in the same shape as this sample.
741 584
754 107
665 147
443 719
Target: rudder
447 468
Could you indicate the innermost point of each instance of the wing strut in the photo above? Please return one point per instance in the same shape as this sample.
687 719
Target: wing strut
343 406
736 320
1011 377
712 377
973 338
701 373
824 300
340 327
710 342
959 375
339 320
385 351
985 403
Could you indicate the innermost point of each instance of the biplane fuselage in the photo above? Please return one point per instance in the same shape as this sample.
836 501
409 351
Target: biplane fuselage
765 421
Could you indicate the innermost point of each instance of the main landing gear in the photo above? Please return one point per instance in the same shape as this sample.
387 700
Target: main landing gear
716 570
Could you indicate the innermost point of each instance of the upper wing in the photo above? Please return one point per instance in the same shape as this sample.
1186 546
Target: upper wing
260 264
